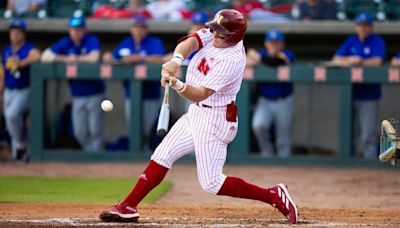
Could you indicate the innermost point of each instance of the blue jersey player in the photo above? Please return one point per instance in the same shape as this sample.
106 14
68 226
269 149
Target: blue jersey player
364 49
16 59
87 117
275 100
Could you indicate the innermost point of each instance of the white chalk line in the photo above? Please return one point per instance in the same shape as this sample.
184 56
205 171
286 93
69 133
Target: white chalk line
151 222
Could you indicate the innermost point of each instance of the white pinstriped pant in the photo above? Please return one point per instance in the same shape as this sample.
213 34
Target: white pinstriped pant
206 131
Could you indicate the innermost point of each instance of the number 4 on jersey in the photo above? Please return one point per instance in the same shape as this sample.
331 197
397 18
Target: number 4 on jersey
203 66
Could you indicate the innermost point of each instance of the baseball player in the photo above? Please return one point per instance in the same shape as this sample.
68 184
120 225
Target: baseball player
16 59
140 47
213 79
364 49
87 117
275 102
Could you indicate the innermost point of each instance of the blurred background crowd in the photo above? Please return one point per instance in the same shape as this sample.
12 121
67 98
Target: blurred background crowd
178 10
73 109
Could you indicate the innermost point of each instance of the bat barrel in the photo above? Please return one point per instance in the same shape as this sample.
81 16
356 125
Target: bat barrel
163 120
161 133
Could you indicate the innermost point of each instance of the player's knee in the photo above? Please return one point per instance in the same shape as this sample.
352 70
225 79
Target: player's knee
211 185
208 187
13 116
161 157
80 133
257 127
163 162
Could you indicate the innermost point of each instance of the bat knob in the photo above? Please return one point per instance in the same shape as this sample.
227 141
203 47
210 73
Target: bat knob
161 132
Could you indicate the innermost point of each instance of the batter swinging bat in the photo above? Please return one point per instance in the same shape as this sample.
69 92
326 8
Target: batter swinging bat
163 118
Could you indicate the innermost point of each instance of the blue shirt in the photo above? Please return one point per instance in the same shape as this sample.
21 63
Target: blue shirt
89 43
21 80
372 47
276 90
150 45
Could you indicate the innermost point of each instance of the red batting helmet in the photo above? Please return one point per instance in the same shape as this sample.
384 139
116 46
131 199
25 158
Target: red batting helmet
231 23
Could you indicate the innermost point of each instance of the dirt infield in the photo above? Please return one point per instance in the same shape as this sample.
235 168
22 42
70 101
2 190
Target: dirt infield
327 198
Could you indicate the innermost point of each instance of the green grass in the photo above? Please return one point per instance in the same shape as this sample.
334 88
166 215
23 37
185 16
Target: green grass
71 190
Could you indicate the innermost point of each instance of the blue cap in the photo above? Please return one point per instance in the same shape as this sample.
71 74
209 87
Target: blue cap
139 20
364 18
199 18
18 23
274 34
77 22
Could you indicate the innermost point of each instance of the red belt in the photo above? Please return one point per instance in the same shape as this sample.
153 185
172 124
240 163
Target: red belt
203 105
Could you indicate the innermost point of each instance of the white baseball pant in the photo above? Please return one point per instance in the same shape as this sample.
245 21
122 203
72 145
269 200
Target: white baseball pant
206 131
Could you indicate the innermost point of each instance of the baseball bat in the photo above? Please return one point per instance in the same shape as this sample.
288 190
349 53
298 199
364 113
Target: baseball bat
163 118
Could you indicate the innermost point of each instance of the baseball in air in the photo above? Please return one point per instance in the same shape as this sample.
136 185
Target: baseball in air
107 105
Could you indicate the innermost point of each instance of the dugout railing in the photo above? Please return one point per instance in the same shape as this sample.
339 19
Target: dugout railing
239 149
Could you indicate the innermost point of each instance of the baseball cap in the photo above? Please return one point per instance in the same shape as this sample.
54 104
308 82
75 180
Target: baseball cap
274 34
364 18
18 23
139 20
199 18
77 22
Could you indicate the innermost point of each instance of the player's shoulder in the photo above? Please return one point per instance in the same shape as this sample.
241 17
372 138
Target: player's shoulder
204 31
289 54
204 34
126 42
29 45
65 39
152 42
232 57
91 37
63 42
152 38
377 38
352 38
263 52
236 53
127 39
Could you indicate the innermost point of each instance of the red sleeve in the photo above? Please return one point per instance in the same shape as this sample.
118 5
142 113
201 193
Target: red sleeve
195 35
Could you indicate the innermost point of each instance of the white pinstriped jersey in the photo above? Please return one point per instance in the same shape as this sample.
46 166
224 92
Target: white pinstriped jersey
206 130
219 69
